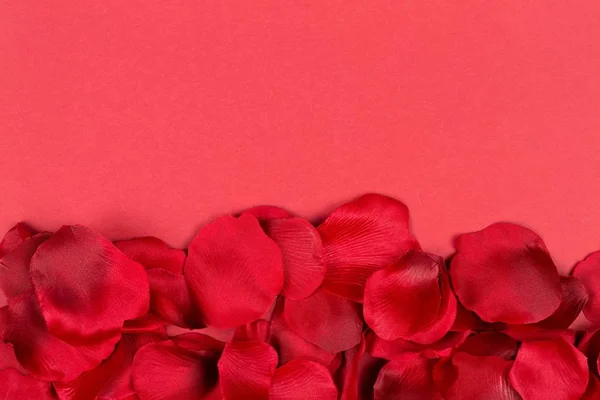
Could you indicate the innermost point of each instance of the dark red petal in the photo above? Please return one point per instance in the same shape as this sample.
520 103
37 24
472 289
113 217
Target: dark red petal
551 369
256 330
490 344
357 376
593 389
404 298
85 286
302 252
327 320
14 237
469 321
590 346
8 359
444 374
148 322
481 378
14 266
266 213
532 332
513 261
45 356
361 237
246 370
170 299
234 271
403 350
300 380
400 380
588 272
152 252
16 386
574 298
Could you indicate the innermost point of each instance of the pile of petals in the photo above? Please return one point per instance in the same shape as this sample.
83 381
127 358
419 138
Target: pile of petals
266 305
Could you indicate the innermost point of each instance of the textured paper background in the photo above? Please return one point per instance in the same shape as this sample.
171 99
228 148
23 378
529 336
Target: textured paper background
152 117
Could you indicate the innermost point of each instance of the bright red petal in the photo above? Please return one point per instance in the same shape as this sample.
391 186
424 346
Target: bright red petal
513 261
266 213
302 252
14 237
532 332
357 376
256 330
8 359
16 386
361 237
300 380
152 252
234 271
490 344
327 320
588 272
401 380
404 298
551 369
170 299
593 389
85 286
590 346
14 266
404 350
574 298
246 370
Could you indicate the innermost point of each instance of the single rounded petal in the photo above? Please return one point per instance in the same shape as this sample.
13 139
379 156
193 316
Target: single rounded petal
266 213
16 386
551 369
152 252
361 237
404 298
574 298
302 252
399 380
513 261
300 380
588 272
246 370
327 320
234 271
256 330
14 266
170 299
481 378
85 286
14 237
490 344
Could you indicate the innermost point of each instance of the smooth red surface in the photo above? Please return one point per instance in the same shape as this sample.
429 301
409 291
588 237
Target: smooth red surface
152 118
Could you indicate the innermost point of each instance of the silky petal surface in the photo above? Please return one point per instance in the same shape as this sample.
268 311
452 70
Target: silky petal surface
14 237
301 380
152 252
588 272
574 299
406 380
170 299
14 266
16 386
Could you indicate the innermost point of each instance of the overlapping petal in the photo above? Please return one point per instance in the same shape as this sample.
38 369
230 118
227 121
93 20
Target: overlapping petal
357 376
266 213
14 237
574 298
588 272
14 266
170 299
152 252
412 379
16 386
300 380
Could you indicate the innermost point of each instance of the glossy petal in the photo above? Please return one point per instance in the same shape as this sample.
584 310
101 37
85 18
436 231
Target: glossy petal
152 252
593 389
403 350
170 299
574 298
361 237
302 252
266 213
490 344
588 272
246 370
300 380
16 386
357 376
533 332
590 346
14 237
513 261
256 330
401 380
551 369
85 286
14 266
327 320
8 359
234 271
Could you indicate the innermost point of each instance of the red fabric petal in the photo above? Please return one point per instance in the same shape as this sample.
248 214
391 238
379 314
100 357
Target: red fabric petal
246 370
469 321
593 389
403 380
551 369
444 374
574 298
234 271
170 299
14 266
85 286
183 368
532 332
403 350
45 356
14 237
300 380
257 330
588 271
481 378
358 374
152 252
8 359
513 261
590 346
16 386
266 213
490 344
361 237
327 320
302 252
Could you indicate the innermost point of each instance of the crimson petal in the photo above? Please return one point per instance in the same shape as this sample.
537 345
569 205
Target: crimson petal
403 350
256 330
234 271
16 386
152 252
300 379
590 346
551 369
246 370
574 298
14 266
170 299
358 374
593 389
266 213
361 237
490 344
327 320
14 237
399 380
515 262
588 271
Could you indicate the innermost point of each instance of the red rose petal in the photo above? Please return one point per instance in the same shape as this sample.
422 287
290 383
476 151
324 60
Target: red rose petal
403 350
170 299
361 237
256 330
302 252
400 380
593 389
490 344
444 374
358 374
14 237
16 386
574 298
8 359
590 346
481 378
85 286
152 252
551 369
300 380
513 261
14 266
246 370
234 271
266 213
532 332
327 320
404 298
588 272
